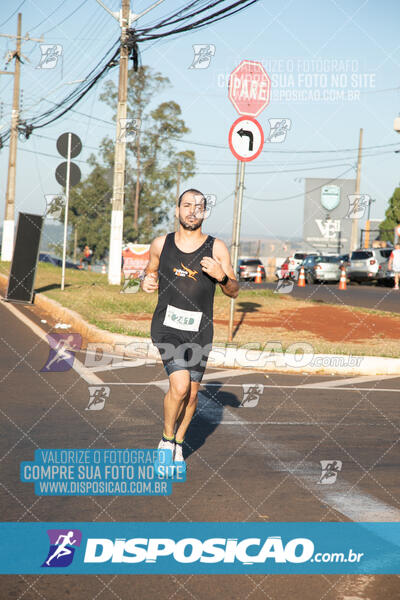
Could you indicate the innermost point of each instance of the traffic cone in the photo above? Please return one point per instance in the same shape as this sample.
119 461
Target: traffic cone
258 278
343 279
103 269
302 280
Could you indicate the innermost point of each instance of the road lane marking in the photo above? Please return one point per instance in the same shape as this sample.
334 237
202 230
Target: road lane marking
346 498
86 375
163 384
338 382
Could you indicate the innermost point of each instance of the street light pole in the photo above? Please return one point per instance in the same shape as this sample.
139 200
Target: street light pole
66 208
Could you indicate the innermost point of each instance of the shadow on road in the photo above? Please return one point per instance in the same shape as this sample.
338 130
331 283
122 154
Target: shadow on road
51 286
245 308
209 414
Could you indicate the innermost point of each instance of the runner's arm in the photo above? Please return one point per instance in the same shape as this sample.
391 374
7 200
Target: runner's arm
219 266
149 283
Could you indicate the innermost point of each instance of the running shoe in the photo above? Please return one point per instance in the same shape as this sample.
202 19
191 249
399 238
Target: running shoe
167 445
178 456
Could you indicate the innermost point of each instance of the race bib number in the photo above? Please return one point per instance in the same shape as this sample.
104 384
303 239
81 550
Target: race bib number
177 318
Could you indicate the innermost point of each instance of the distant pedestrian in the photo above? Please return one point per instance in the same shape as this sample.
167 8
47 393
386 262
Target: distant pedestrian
394 263
87 257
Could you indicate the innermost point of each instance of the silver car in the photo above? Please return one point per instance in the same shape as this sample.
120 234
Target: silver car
320 268
368 264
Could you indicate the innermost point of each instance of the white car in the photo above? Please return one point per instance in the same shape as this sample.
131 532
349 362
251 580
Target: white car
297 259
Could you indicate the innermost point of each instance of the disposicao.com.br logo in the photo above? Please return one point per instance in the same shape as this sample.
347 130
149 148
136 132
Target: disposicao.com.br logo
62 547
200 548
213 550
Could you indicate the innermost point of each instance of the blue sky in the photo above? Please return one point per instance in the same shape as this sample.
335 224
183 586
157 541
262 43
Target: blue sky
354 39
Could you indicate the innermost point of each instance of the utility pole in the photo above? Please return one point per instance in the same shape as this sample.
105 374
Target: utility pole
354 224
7 245
236 238
178 184
8 225
138 174
117 214
125 18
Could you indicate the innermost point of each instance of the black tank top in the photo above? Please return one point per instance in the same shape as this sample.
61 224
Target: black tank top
185 295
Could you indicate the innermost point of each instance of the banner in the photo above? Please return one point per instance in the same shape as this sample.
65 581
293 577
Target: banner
135 258
204 548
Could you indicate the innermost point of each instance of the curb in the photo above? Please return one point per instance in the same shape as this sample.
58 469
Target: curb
224 357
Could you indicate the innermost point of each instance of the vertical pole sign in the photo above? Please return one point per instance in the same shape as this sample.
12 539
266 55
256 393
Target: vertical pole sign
68 174
24 258
249 92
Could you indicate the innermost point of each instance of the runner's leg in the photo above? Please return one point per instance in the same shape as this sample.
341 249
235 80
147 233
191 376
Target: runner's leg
179 386
187 410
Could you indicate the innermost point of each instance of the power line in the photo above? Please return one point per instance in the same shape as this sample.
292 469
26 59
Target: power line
302 193
48 16
15 11
67 17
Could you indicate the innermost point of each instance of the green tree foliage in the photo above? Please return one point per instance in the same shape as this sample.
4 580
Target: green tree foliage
392 215
153 155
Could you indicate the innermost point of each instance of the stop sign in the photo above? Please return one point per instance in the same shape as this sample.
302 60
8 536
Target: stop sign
249 88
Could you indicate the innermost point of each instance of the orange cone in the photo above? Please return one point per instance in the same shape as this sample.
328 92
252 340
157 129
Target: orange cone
343 279
258 278
302 280
103 270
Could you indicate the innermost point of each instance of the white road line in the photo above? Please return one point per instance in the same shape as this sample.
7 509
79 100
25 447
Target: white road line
338 382
163 384
89 377
122 365
342 496
227 422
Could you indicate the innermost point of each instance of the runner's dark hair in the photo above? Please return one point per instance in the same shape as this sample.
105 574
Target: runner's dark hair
192 191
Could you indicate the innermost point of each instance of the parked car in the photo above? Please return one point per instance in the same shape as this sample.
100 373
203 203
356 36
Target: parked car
282 272
368 264
247 269
384 276
320 268
296 260
344 259
45 257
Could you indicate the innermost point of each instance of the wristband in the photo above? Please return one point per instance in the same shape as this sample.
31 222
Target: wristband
224 281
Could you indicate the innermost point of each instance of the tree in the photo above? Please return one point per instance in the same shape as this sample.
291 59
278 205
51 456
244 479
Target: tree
151 169
392 219
153 177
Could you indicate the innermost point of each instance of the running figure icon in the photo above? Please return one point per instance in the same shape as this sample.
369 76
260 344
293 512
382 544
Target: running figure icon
62 550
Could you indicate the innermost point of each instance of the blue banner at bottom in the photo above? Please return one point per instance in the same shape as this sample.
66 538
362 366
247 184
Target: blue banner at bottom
199 548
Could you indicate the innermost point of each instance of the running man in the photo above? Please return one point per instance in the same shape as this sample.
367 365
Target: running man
185 267
394 263
61 549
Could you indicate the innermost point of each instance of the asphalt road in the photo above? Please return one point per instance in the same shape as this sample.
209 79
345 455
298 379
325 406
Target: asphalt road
259 462
365 295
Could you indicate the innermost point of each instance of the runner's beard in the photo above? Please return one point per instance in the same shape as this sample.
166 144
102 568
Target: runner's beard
191 227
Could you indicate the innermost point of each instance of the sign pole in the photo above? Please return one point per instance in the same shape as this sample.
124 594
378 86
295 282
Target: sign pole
236 239
66 210
235 212
354 224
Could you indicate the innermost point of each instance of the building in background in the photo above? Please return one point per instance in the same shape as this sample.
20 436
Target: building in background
327 214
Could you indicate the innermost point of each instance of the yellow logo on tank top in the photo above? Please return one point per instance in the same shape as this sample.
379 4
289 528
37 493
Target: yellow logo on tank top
185 272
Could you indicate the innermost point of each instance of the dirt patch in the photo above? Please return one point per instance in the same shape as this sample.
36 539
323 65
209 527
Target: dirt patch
331 323
334 324
135 317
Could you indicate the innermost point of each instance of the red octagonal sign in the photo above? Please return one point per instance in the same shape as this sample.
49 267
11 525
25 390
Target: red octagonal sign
249 88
